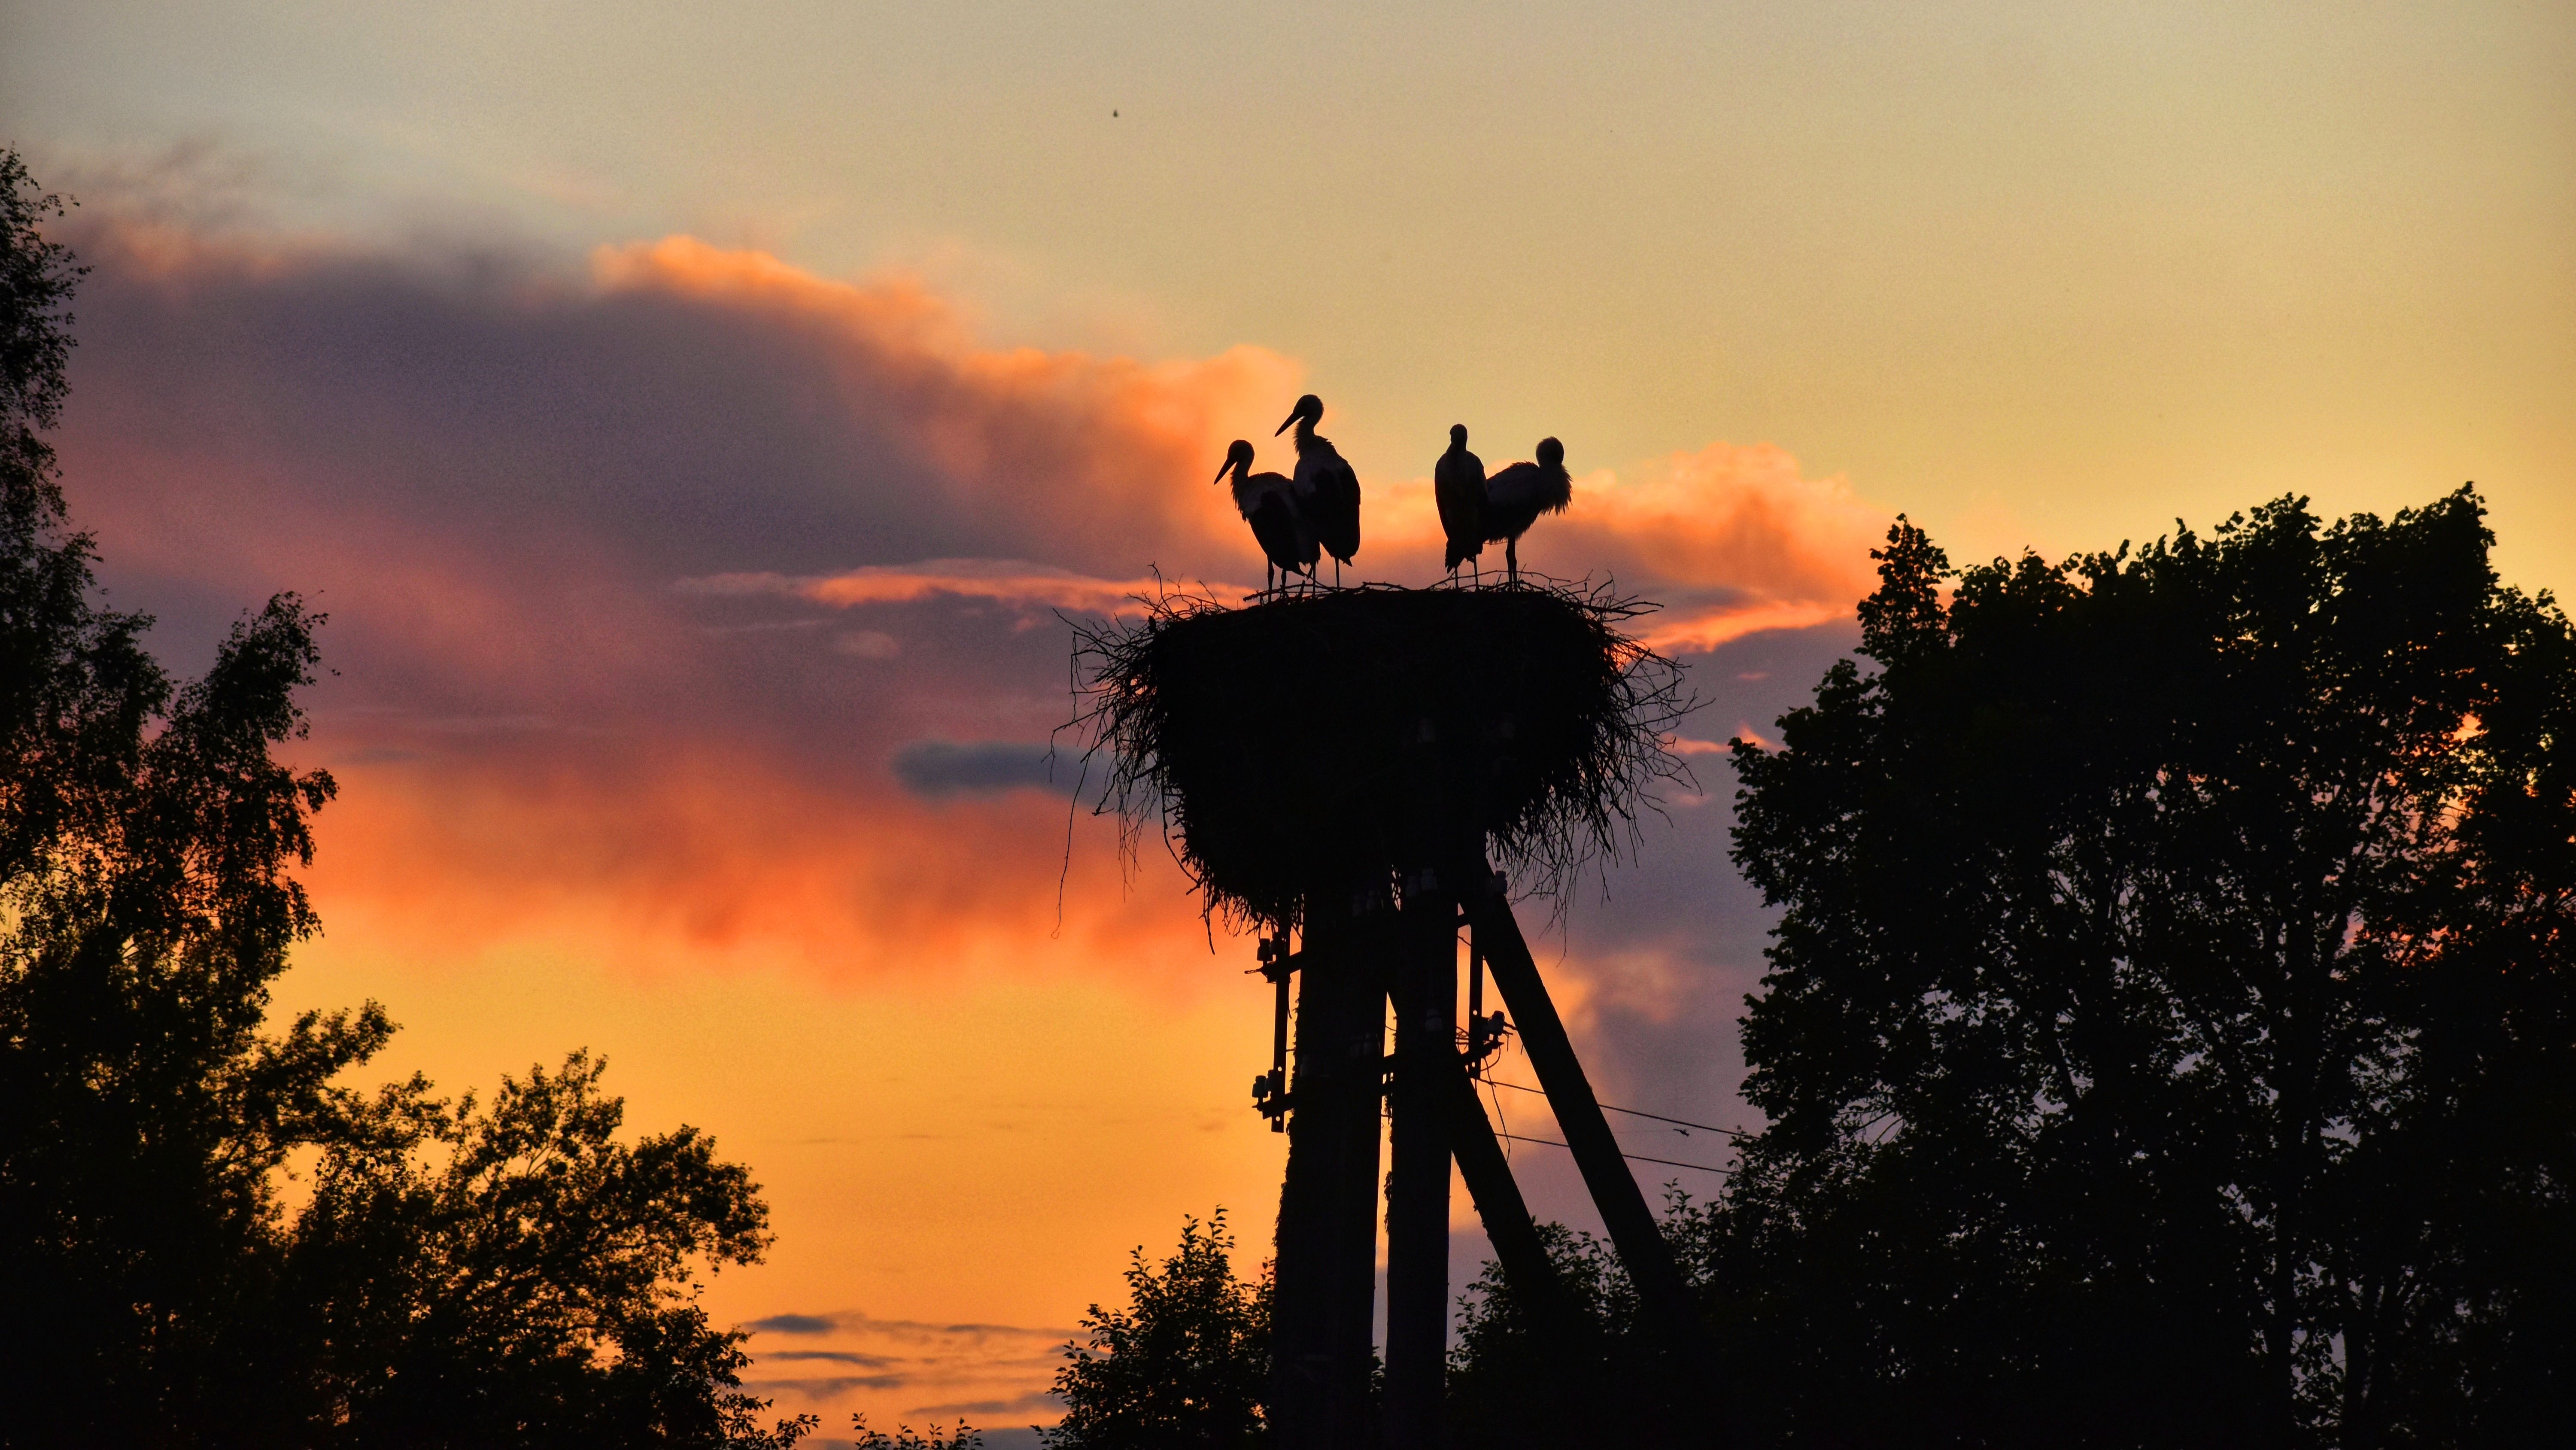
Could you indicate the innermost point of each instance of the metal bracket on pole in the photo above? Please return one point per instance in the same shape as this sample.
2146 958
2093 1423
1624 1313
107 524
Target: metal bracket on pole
1270 1090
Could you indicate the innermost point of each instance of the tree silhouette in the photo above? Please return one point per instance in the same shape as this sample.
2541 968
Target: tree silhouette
907 1438
458 1276
2170 1032
1183 1367
1514 1385
514 1274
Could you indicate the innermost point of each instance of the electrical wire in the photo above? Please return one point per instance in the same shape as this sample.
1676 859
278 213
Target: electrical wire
1632 1112
1636 1157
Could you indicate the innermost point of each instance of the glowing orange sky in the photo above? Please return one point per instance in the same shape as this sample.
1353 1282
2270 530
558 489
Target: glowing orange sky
693 424
697 638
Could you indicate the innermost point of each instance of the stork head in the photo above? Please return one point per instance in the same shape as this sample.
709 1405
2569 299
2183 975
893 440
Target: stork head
1457 435
1551 454
1238 454
1310 408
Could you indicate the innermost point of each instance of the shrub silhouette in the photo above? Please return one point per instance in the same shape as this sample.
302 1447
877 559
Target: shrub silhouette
1183 1366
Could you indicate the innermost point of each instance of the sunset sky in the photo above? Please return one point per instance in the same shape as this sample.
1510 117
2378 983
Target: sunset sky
695 419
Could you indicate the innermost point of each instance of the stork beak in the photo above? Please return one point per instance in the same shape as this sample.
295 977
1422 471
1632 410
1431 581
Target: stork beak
1282 428
1229 466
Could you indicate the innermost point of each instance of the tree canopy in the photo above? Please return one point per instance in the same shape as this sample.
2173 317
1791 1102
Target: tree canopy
458 1275
1183 1367
2170 1029
1513 1385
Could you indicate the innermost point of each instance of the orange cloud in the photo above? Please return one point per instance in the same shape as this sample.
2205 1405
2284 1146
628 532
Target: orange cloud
1785 551
1732 539
496 487
493 486
1701 630
1685 745
1075 453
1004 581
677 857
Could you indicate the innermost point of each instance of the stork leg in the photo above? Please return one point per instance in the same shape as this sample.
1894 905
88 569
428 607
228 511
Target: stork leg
1512 556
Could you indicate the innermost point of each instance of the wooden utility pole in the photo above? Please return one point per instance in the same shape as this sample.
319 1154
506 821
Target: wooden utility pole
1425 996
1327 1244
1314 760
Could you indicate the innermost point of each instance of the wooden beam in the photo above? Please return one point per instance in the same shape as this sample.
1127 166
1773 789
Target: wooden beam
1634 1235
1423 989
1499 1205
1327 1244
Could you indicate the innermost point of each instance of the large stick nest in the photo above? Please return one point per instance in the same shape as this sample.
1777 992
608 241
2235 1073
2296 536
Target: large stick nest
1328 738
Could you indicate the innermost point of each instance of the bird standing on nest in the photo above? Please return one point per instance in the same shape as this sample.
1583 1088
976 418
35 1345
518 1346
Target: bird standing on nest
1458 486
1327 483
1515 497
1269 502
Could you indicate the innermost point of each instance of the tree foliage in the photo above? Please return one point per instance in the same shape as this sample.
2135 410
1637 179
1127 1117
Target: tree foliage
2170 1031
510 1275
37 278
905 1437
1512 1384
1183 1367
514 1274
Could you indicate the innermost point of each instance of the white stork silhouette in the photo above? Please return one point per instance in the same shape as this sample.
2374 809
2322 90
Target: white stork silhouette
1515 497
1269 502
1331 490
1458 486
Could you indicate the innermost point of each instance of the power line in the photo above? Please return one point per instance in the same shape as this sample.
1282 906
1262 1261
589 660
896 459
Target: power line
1638 1157
1633 1112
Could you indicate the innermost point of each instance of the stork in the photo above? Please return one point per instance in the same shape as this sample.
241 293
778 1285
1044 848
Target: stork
1458 486
1269 502
1515 497
1327 485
